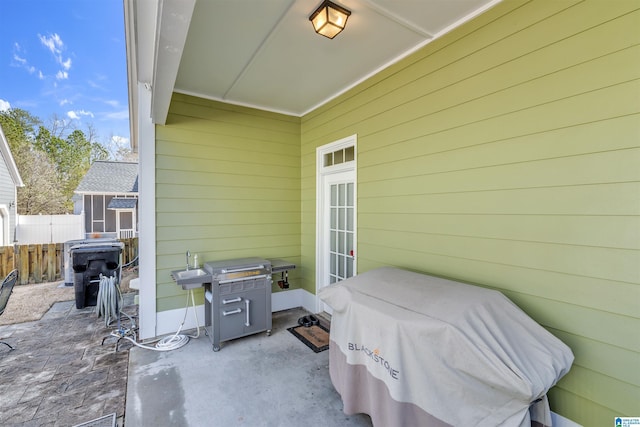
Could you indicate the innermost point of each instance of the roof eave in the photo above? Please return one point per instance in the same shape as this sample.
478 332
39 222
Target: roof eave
155 33
174 18
106 193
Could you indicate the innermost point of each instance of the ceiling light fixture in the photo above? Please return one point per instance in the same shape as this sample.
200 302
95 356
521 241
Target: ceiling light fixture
329 19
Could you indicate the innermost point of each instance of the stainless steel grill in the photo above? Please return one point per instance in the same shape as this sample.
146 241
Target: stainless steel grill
238 299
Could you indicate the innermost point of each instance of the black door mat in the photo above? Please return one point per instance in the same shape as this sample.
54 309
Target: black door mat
315 337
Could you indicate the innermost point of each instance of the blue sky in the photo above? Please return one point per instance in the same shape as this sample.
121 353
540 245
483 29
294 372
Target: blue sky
66 59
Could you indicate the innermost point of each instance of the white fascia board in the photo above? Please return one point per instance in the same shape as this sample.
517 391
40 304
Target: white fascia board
132 70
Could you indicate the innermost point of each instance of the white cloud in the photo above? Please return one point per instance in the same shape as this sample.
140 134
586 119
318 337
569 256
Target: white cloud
56 46
118 115
75 115
22 62
112 102
40 75
65 102
4 105
19 60
62 75
53 43
95 85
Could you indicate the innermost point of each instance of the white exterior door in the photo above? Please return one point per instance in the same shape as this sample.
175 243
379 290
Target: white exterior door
336 219
340 248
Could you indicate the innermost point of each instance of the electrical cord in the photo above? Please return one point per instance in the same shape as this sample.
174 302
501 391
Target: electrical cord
130 262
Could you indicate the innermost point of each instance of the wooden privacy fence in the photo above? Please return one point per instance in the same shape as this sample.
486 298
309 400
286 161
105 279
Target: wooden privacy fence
45 263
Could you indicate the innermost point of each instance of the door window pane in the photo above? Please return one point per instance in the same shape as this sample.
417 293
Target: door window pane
334 218
349 154
328 159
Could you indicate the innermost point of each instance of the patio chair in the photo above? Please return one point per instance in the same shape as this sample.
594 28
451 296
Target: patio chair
5 293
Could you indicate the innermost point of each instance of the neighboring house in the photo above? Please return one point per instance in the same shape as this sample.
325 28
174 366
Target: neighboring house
9 182
108 198
504 153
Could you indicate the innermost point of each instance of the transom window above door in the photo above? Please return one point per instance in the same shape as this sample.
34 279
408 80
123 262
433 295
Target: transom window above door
343 155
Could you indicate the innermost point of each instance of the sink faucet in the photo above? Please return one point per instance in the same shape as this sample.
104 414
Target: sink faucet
188 256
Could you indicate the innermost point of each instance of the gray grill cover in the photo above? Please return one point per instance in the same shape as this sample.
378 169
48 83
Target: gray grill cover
412 349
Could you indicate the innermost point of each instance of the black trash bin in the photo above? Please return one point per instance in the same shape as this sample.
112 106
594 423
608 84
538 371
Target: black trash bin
89 261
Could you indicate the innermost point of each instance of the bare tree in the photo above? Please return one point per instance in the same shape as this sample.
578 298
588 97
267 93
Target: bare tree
42 193
91 133
59 127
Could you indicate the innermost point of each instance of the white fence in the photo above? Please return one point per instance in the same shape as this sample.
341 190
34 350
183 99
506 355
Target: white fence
38 229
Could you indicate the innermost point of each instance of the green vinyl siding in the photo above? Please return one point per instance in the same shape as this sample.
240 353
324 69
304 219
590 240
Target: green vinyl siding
227 186
507 154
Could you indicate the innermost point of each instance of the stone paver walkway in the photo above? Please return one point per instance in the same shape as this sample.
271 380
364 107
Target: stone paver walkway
59 373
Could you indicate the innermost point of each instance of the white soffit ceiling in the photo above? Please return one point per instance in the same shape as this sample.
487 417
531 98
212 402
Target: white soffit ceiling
265 54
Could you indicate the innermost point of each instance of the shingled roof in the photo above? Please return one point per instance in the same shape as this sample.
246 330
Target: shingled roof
110 178
120 203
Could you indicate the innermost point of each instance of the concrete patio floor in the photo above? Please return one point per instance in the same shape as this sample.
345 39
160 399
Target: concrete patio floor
60 375
253 381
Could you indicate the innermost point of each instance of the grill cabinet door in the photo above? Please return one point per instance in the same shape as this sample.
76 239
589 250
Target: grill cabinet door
242 308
